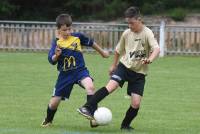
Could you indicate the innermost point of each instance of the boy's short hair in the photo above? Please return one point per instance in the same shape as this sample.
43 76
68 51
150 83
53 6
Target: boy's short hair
63 19
132 12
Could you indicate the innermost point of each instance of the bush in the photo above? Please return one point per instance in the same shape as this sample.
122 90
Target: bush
178 14
147 9
155 8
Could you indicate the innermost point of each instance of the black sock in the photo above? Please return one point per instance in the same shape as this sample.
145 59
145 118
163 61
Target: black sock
130 115
94 107
50 114
96 98
89 97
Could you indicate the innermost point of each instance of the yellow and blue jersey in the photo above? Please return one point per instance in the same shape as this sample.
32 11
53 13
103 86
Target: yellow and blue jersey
71 57
70 64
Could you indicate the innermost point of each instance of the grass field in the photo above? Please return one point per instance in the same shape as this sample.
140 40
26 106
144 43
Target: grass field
171 103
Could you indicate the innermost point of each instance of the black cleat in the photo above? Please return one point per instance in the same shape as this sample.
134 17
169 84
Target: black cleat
46 123
126 128
85 112
93 124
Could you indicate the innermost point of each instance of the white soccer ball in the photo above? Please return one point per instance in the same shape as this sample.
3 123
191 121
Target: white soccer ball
103 116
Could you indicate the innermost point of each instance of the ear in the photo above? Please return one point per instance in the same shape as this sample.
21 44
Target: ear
139 18
57 33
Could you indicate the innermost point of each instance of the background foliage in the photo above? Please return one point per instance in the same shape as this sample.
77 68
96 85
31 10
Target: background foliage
87 10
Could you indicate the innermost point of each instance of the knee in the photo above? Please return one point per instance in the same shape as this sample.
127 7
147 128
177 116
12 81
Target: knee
90 89
111 86
54 103
135 104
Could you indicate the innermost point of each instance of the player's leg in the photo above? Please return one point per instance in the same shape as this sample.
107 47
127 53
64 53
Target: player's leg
135 90
51 110
117 79
132 111
87 83
86 110
61 91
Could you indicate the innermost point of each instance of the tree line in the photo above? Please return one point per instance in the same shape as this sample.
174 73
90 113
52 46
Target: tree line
88 10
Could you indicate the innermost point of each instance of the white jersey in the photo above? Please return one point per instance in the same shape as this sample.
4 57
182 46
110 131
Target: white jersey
133 47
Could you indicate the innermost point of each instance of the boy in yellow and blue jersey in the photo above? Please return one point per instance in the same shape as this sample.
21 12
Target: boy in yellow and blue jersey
66 52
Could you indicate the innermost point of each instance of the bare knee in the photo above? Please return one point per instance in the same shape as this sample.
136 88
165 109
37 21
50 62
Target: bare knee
90 89
88 85
135 104
135 100
54 102
53 105
111 86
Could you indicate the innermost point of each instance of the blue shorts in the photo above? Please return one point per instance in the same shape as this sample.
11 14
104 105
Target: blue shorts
66 81
136 81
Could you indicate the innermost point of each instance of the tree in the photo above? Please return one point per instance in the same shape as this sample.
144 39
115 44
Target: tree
7 9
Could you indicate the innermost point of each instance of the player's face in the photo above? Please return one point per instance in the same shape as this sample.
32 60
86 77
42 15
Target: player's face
134 24
64 31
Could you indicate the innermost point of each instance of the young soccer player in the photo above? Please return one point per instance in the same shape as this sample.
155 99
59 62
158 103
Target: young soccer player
66 52
137 48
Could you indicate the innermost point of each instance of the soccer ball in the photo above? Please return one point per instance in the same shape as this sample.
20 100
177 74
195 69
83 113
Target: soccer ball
103 116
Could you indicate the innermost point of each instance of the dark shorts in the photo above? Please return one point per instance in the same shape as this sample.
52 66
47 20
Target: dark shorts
66 81
136 81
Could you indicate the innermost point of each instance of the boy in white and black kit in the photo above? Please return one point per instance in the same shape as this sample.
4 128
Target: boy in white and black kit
136 49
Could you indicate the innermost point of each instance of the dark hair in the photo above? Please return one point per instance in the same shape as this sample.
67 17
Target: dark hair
63 19
132 12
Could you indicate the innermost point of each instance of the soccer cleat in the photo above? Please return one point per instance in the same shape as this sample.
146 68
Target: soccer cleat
85 112
46 123
93 124
126 128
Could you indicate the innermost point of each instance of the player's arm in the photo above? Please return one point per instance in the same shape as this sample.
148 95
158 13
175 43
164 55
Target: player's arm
54 53
152 56
154 47
103 53
91 43
115 63
119 50
57 54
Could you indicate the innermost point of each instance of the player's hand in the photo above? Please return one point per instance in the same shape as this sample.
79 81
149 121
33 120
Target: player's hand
105 54
112 69
146 61
58 51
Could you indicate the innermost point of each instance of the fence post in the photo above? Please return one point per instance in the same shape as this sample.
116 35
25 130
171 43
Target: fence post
162 39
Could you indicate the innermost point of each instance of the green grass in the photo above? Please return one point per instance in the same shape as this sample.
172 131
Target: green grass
171 103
